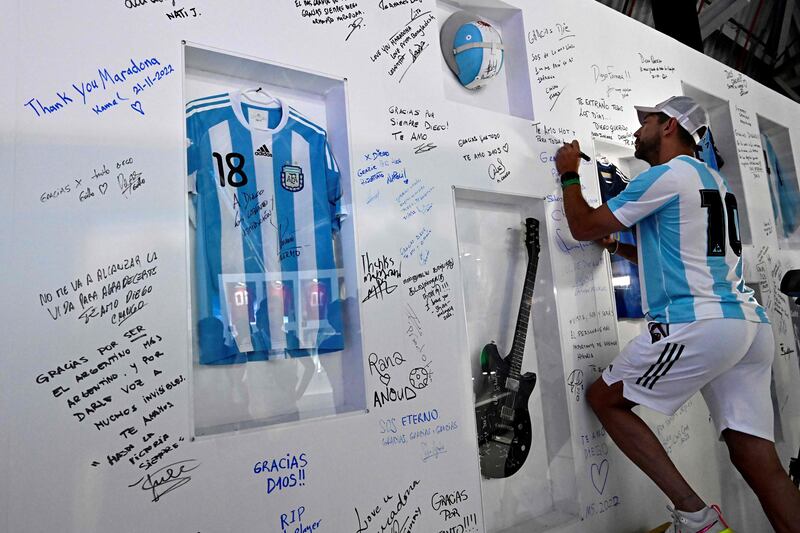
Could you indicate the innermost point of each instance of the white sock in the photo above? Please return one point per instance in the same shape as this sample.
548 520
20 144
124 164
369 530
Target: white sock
696 516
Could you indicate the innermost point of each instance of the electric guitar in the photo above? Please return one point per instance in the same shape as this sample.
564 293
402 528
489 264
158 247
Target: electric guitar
501 406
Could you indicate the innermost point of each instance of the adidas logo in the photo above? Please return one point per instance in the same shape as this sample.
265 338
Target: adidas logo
264 151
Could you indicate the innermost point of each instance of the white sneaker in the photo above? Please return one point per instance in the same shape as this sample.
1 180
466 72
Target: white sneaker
710 521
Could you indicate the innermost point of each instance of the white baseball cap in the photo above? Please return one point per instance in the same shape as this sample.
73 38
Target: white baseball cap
689 114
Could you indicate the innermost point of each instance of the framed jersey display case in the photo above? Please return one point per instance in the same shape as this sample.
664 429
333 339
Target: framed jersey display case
268 219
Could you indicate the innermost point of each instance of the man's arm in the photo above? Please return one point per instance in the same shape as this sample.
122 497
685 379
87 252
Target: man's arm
586 223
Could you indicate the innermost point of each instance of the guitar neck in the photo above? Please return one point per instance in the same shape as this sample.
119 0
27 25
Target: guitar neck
523 318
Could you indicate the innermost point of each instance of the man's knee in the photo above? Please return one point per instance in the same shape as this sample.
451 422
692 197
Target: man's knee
602 396
751 454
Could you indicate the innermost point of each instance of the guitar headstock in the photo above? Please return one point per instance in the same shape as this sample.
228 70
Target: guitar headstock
532 237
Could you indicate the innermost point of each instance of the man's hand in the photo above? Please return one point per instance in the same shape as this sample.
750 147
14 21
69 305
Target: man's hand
613 245
607 242
568 158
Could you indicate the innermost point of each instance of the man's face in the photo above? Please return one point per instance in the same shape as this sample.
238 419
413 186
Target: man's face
648 139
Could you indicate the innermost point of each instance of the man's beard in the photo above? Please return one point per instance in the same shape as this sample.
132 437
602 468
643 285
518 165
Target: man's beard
648 150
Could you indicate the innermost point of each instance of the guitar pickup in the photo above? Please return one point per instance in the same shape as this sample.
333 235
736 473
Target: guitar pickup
512 384
503 440
507 413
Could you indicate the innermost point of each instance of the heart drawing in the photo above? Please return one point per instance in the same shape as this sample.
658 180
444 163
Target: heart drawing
103 188
600 475
137 106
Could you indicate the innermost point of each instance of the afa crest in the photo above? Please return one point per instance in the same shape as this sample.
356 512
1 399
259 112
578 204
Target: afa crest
292 178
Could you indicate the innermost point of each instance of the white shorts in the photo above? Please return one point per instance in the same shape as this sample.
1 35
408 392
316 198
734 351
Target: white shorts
728 360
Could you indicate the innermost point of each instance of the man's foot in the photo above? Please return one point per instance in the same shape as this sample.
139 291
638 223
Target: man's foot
709 520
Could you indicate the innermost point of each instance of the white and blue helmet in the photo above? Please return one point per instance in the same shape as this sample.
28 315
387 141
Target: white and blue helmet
472 49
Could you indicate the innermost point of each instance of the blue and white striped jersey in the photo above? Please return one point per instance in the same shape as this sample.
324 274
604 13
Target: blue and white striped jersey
267 203
783 191
689 249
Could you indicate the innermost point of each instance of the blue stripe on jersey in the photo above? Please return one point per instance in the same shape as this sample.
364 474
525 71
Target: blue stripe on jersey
211 219
662 262
320 204
652 271
731 307
322 210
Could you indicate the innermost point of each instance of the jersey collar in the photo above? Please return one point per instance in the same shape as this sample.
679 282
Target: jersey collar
236 103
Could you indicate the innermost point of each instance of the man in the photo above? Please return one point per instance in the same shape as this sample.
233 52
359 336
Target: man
707 333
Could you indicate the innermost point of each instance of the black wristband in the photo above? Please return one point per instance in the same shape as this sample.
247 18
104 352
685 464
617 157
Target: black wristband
570 178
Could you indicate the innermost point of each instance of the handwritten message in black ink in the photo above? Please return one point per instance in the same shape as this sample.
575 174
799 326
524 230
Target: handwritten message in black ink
487 149
119 178
381 276
595 451
555 135
450 507
748 143
160 482
588 341
575 384
770 274
392 513
768 227
433 288
118 387
173 12
386 367
553 48
402 49
416 337
736 82
415 125
605 119
655 67
616 83
183 13
329 12
115 291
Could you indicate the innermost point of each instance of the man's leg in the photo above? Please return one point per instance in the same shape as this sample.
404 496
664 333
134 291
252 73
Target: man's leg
760 466
638 442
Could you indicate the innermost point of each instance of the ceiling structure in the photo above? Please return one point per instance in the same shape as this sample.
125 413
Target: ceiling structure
758 37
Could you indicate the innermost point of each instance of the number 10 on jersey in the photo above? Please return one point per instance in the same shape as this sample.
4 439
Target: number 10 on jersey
711 199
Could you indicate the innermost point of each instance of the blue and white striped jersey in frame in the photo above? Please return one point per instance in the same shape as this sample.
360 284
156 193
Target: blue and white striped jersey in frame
689 249
268 200
783 191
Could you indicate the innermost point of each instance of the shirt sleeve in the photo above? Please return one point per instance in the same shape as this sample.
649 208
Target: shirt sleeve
645 195
334 188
